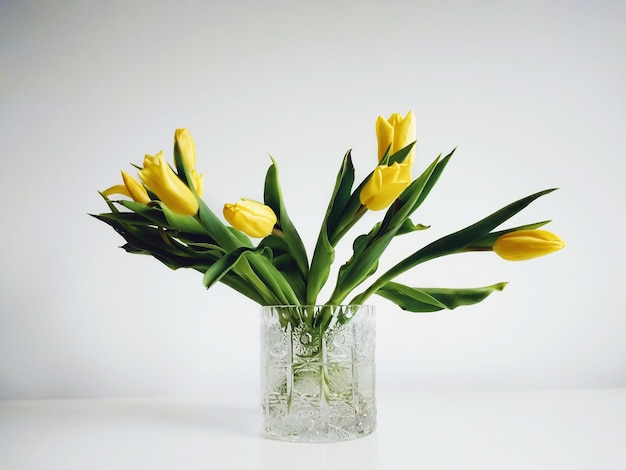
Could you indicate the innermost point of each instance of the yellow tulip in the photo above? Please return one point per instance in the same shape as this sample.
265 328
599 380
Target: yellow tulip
398 132
385 185
185 143
527 244
131 188
187 147
252 218
159 177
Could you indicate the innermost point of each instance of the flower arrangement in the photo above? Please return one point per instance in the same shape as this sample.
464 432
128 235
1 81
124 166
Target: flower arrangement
259 252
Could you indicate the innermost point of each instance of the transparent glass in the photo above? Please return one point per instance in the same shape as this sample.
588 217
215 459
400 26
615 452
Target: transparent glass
318 372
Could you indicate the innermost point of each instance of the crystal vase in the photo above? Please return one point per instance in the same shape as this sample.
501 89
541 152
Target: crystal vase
318 372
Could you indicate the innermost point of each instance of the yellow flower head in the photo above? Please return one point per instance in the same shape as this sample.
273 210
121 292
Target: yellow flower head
398 132
527 244
159 177
252 218
385 185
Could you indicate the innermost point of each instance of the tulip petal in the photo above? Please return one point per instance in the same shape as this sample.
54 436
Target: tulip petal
117 189
384 133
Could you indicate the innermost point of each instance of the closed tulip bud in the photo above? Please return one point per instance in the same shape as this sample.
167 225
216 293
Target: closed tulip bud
131 188
187 147
159 177
135 189
385 185
527 244
252 218
397 132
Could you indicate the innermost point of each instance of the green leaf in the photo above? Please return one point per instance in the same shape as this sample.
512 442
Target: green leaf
400 155
162 216
429 299
285 263
324 253
486 242
222 266
127 218
409 227
273 198
341 195
432 180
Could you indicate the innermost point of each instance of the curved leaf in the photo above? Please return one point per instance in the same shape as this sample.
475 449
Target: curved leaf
433 299
222 266
273 198
324 253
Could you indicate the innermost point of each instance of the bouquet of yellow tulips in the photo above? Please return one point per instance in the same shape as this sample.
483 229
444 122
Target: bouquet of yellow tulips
259 252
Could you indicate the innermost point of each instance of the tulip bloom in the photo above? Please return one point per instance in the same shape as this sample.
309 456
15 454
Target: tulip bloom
385 185
398 132
527 244
187 147
159 177
131 188
252 218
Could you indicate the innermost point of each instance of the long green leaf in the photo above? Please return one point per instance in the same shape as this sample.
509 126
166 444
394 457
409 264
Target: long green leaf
486 242
324 253
273 198
433 299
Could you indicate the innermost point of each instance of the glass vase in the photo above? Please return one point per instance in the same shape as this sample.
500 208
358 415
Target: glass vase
318 372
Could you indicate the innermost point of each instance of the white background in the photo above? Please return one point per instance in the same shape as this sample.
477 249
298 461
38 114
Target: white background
532 94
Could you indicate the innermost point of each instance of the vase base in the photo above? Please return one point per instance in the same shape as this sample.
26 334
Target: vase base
338 421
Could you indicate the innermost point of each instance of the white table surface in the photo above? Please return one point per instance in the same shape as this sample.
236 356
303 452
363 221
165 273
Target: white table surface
569 429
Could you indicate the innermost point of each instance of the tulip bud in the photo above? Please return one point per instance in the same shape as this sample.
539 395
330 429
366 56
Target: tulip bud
385 185
135 189
187 147
252 218
397 132
159 177
527 244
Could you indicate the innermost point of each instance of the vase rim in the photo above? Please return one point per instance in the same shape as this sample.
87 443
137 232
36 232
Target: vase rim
315 305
